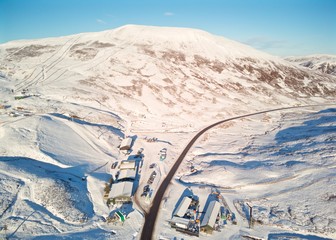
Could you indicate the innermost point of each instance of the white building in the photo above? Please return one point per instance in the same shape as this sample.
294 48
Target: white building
127 174
178 222
126 144
209 219
182 207
121 192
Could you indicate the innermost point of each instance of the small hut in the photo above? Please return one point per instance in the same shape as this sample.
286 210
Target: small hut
126 144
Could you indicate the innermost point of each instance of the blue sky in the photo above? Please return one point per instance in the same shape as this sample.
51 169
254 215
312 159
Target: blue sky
279 27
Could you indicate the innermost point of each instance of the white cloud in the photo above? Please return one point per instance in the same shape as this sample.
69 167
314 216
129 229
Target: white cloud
168 14
100 21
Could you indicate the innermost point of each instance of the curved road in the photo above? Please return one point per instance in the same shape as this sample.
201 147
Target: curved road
150 218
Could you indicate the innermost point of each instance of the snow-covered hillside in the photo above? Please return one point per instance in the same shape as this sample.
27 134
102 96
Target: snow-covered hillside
281 164
163 72
66 103
321 63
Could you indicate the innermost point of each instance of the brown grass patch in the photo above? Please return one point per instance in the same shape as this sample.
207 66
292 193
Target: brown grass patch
167 80
201 61
84 54
215 65
146 49
174 56
98 44
32 51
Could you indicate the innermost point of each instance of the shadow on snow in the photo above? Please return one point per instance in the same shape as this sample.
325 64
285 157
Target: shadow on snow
117 131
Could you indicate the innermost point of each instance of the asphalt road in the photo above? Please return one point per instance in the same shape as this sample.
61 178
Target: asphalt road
150 218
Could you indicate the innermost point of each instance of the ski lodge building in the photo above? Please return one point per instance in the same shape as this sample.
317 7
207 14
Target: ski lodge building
210 217
182 207
121 192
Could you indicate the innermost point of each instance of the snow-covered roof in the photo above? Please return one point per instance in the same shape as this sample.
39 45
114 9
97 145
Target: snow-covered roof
127 164
127 173
211 214
126 144
182 207
121 189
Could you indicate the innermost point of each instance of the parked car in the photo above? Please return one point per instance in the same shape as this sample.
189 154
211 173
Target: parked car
153 174
151 178
139 153
146 190
153 165
163 154
114 165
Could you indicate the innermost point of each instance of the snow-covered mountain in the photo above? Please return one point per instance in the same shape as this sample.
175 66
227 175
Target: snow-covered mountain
66 103
160 70
321 63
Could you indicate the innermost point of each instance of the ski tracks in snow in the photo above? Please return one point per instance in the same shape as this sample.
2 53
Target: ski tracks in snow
47 66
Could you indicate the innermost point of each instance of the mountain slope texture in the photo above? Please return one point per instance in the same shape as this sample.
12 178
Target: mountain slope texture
322 63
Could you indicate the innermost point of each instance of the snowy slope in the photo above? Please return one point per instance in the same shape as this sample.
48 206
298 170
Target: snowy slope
321 63
83 93
283 165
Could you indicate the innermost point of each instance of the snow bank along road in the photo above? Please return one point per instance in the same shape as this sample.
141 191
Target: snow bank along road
150 218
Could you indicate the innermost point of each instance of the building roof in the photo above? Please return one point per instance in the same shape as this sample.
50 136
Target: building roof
126 143
127 164
121 189
211 214
182 207
127 173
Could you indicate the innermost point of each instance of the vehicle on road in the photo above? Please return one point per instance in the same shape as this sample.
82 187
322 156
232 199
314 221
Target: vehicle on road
153 165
